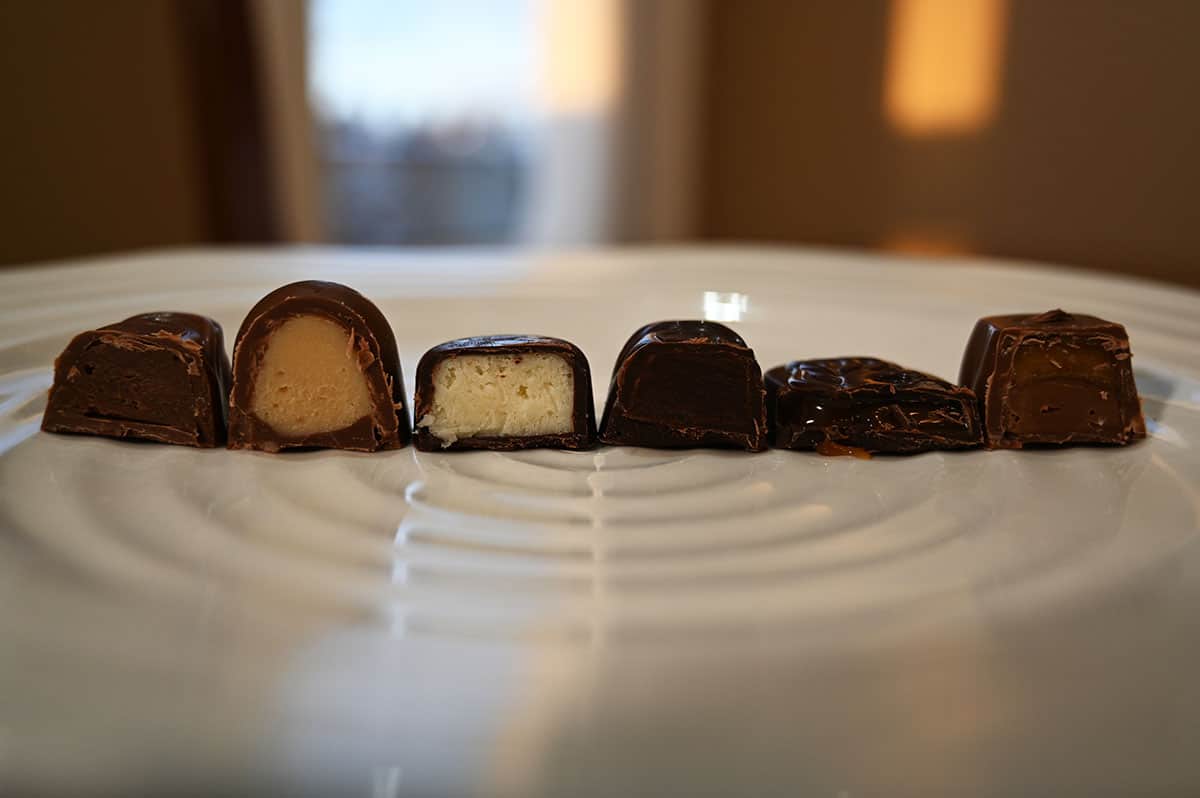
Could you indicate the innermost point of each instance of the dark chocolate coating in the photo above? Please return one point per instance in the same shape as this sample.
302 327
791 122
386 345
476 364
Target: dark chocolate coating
868 404
1053 378
684 384
583 436
157 377
387 427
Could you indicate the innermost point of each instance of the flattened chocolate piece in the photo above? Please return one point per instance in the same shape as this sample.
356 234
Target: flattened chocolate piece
1053 378
504 392
840 405
315 366
682 384
157 377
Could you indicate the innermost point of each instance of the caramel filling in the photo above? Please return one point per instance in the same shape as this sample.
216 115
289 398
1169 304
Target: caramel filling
1064 388
310 380
501 395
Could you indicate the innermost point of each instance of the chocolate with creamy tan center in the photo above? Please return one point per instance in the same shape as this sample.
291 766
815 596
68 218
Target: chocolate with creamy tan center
315 365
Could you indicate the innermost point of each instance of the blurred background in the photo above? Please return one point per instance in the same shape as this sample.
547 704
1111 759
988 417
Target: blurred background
1056 130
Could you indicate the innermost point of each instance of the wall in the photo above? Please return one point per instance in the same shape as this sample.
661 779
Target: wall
97 146
129 124
1086 156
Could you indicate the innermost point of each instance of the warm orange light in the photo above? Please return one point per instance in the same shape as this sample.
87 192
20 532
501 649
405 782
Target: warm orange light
943 64
583 55
927 242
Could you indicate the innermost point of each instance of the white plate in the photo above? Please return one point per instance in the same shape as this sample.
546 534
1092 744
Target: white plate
614 622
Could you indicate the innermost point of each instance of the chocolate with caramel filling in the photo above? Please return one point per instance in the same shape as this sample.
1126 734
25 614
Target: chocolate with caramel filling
158 377
852 405
315 365
1053 378
681 384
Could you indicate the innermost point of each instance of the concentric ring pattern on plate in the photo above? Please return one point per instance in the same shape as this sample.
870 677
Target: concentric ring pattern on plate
544 623
596 542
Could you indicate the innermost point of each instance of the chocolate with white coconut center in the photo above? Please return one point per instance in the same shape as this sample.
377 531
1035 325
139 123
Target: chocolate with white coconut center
158 377
315 365
504 392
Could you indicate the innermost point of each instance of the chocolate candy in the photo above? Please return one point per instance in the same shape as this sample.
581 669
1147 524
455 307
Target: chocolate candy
682 384
504 392
852 405
315 365
158 377
1053 378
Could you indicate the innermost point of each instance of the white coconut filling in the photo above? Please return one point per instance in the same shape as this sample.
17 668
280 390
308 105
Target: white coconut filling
501 396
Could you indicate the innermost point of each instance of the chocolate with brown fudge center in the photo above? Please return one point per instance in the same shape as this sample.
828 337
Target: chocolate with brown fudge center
1053 378
869 404
157 376
680 384
372 365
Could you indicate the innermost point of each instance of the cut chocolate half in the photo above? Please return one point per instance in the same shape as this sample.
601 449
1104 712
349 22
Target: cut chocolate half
157 377
315 365
680 384
840 405
504 392
1053 378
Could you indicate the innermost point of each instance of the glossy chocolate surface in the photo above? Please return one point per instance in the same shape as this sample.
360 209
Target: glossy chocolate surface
840 405
158 377
385 427
583 434
683 384
1053 378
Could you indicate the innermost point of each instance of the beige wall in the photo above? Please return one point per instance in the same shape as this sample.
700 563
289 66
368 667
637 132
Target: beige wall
1088 157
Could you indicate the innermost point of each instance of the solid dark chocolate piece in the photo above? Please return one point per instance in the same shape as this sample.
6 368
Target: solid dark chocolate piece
851 405
682 384
315 365
157 377
504 392
1053 378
